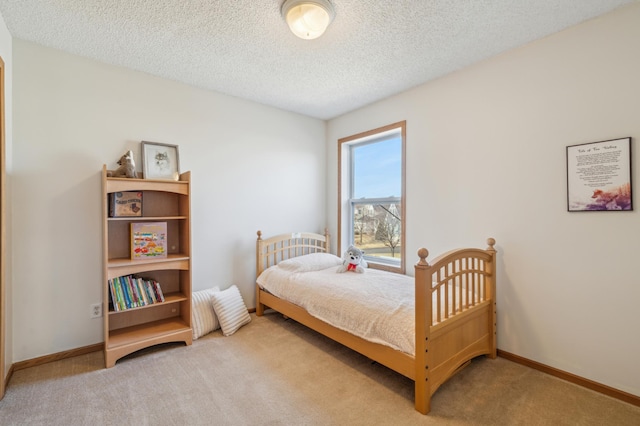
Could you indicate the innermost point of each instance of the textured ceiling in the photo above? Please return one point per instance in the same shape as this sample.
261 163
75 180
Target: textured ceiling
372 50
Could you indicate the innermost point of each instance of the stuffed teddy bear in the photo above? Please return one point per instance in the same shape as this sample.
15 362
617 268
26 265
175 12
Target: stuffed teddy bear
353 260
127 167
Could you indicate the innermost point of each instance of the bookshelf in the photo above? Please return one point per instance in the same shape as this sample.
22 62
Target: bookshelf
135 328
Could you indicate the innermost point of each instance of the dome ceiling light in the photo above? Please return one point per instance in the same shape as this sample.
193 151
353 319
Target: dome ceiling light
308 19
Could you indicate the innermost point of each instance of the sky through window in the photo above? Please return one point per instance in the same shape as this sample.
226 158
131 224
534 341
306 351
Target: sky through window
378 169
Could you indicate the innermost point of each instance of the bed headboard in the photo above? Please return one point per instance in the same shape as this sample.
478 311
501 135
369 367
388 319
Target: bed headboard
285 246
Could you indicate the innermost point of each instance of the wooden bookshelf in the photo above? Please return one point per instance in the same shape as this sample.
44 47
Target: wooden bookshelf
130 330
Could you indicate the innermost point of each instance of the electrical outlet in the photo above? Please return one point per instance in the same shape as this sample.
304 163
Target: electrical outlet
95 310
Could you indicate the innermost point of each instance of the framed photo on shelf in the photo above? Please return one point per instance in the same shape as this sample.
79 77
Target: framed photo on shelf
599 176
160 161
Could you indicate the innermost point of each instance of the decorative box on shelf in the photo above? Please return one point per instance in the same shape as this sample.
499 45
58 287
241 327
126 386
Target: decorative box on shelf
125 204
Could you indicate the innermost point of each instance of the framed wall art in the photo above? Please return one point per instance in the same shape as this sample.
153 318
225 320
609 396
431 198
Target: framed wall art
599 176
160 161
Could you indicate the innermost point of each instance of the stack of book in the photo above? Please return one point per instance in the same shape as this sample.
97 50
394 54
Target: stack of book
132 292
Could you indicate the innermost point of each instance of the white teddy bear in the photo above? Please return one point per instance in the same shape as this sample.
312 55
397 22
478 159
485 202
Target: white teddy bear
353 260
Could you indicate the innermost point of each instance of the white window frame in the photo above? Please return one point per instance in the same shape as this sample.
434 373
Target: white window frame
346 188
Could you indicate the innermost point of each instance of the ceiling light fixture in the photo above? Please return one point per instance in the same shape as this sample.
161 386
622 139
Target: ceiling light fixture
308 19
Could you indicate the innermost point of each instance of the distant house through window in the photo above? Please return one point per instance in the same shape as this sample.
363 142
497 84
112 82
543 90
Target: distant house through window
371 195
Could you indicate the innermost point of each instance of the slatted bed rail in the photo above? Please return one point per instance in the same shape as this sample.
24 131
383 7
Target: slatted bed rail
286 246
460 283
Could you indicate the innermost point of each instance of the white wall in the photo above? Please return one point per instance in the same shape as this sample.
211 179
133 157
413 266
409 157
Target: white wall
7 55
486 157
253 167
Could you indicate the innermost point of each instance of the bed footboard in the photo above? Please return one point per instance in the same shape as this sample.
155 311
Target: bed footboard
455 315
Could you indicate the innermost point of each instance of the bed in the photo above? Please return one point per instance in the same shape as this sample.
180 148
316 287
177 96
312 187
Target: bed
448 307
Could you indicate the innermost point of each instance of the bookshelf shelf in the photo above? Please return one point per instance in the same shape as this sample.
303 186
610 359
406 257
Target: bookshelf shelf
149 331
135 328
128 340
168 298
146 218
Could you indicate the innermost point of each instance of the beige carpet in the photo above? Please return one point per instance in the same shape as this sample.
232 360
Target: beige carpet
277 372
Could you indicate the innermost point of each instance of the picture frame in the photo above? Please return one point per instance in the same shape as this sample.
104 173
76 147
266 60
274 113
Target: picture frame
160 161
599 176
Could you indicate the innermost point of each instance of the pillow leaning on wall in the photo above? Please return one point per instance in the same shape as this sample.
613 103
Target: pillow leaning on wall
230 310
203 316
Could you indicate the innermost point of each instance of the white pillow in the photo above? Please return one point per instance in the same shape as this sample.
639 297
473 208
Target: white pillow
203 318
230 309
310 262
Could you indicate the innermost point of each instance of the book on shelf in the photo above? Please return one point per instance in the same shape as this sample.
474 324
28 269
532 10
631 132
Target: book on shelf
148 240
128 297
125 296
135 297
129 292
113 297
141 293
125 204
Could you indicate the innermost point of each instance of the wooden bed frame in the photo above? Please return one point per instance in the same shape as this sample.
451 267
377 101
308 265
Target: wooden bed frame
442 347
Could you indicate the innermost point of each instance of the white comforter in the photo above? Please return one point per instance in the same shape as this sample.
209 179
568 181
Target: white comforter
377 306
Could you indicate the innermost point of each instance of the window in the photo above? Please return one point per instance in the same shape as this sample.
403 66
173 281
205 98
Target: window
371 195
